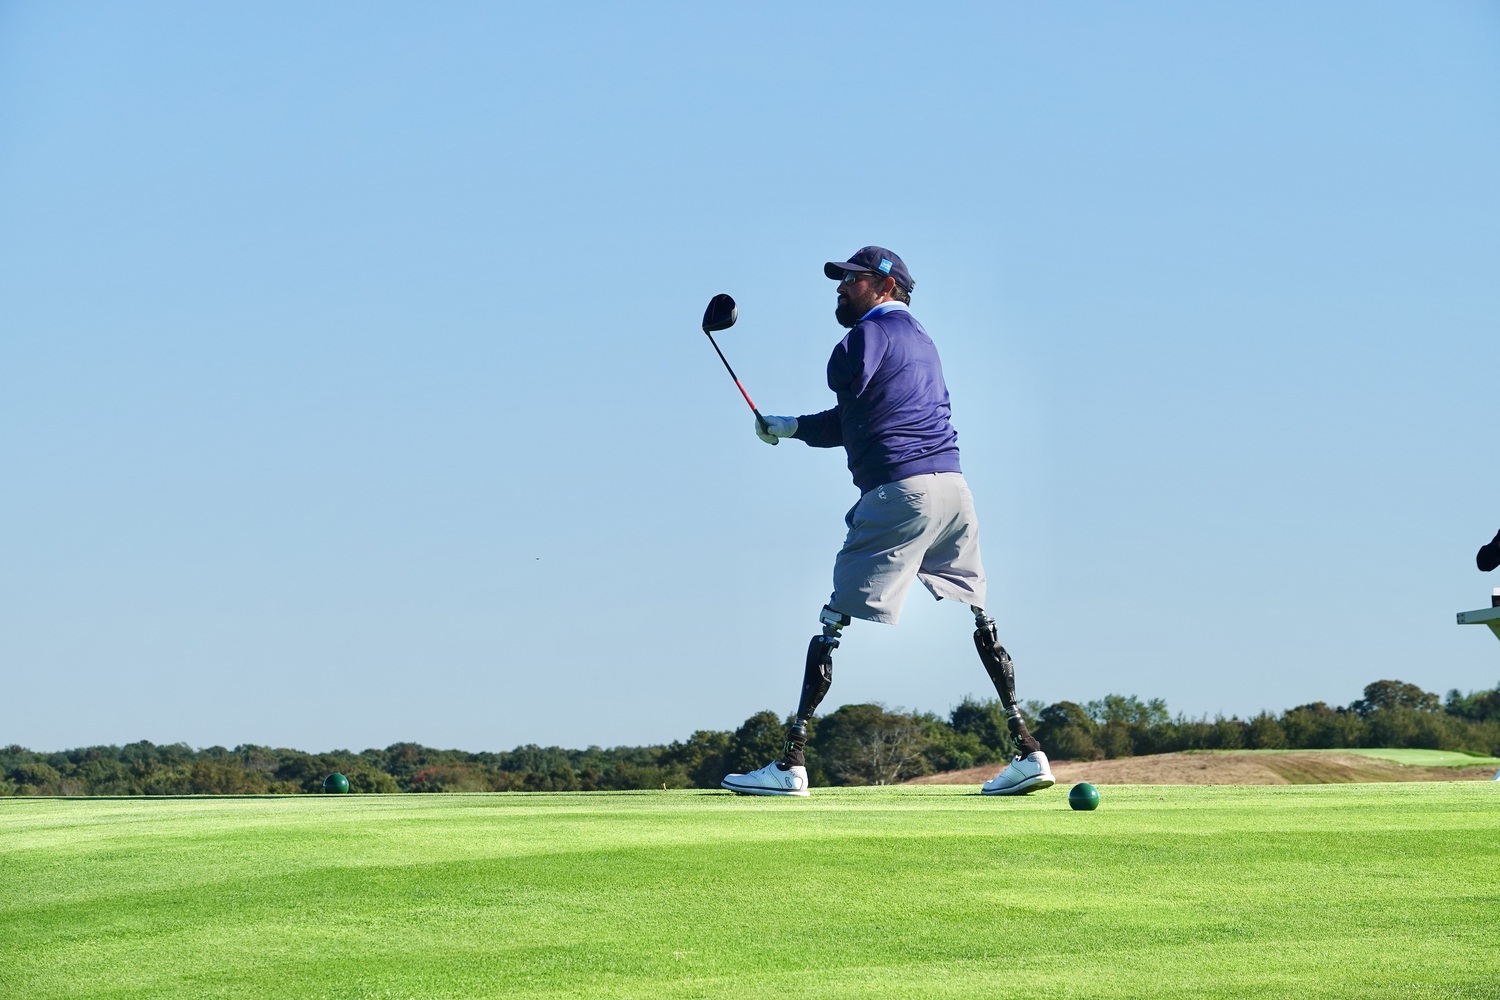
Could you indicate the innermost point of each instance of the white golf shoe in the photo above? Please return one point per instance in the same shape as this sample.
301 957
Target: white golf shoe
769 780
1022 775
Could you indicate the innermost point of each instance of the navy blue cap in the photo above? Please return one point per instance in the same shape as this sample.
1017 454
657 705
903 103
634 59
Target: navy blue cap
873 260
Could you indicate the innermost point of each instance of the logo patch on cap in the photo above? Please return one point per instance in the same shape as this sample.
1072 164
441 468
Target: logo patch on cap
885 265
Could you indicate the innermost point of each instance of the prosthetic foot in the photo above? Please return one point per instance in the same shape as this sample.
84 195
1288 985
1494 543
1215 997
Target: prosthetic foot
773 779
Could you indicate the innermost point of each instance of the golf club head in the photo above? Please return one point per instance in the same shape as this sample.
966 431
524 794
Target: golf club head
720 314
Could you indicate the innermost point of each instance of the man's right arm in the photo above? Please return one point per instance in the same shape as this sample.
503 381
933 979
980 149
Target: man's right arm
821 430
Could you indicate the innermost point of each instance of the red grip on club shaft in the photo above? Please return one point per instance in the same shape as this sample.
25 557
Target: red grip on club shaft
744 393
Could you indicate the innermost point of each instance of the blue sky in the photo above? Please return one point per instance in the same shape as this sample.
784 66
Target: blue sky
351 389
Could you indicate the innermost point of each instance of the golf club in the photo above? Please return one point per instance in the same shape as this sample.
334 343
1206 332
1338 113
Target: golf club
720 315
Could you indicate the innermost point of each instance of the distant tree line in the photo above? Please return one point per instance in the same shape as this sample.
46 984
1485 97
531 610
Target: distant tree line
855 745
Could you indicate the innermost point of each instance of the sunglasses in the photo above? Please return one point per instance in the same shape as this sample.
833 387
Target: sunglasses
850 277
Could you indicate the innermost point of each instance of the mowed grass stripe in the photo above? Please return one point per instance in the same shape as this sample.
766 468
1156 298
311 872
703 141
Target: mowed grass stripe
1405 758
1400 755
1283 890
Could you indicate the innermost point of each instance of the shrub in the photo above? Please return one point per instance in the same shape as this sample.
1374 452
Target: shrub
368 781
1318 727
702 757
210 778
35 778
759 740
950 750
1265 733
866 745
1476 706
1391 696
984 721
1067 732
457 778
1227 734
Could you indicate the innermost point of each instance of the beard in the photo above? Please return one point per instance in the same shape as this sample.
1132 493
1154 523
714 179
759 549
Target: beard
848 314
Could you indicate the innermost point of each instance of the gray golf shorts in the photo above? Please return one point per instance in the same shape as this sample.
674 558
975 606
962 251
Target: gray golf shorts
921 528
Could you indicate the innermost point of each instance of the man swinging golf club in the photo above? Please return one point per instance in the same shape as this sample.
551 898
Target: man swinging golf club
915 517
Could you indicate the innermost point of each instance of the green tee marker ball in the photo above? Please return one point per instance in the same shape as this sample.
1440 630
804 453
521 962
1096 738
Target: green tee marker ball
1083 796
338 784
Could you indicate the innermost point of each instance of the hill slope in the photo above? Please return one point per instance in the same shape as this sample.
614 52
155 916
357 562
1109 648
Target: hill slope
1248 767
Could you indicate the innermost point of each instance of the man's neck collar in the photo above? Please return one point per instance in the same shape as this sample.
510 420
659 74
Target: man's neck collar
890 305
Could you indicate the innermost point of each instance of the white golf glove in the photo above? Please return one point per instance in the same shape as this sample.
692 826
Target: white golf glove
776 429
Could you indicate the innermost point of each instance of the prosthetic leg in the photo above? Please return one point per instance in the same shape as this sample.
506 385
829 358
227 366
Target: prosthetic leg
817 676
788 776
1003 675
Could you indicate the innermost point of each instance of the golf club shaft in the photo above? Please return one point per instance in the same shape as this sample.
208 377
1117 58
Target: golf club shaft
737 384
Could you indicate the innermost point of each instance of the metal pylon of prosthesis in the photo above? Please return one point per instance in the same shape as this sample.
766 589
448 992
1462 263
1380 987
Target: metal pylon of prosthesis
998 665
817 675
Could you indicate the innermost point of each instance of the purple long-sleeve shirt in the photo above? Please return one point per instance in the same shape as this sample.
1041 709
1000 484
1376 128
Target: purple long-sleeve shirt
892 411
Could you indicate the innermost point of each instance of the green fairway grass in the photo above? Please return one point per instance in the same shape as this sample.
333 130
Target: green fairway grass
1409 757
1430 758
1387 890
